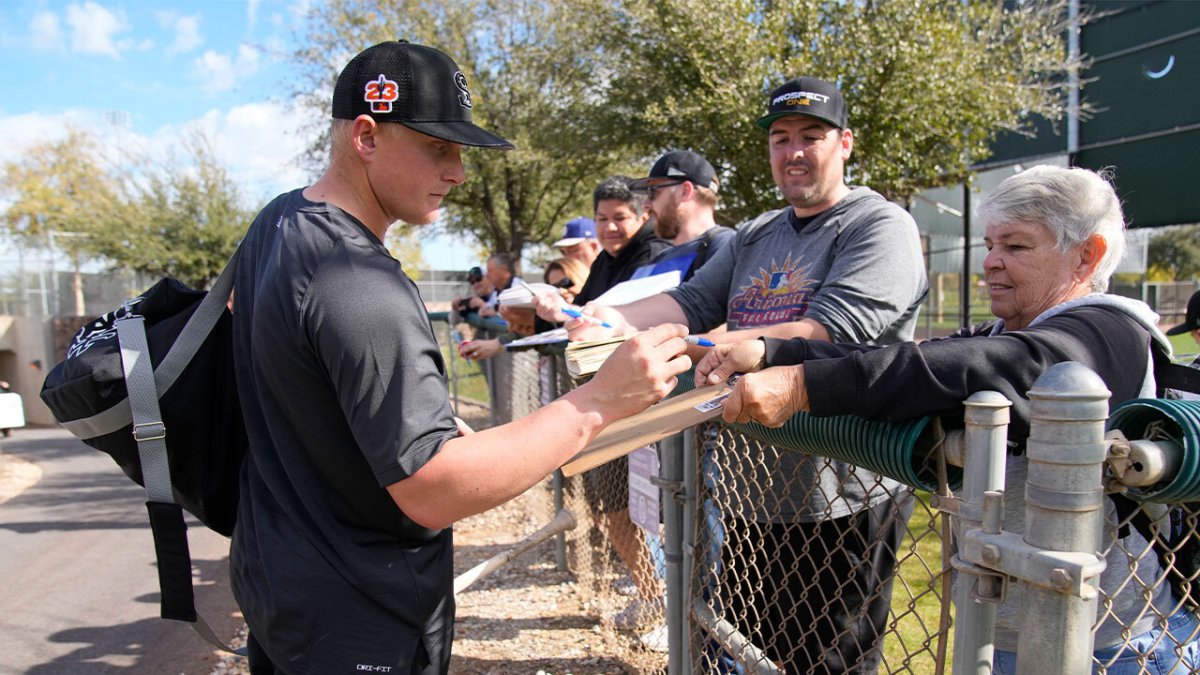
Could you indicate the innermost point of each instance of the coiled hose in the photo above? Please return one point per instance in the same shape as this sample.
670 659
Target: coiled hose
904 451
1157 419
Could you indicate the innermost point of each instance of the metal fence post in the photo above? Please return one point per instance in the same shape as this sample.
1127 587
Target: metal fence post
688 504
977 591
453 352
557 365
671 452
1063 511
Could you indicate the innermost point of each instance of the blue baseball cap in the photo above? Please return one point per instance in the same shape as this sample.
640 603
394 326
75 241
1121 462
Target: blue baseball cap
576 231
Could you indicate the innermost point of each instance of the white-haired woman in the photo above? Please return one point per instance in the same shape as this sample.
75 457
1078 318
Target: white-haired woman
1054 237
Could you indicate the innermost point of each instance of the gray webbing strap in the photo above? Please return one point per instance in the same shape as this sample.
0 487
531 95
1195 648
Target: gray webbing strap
199 325
201 626
148 428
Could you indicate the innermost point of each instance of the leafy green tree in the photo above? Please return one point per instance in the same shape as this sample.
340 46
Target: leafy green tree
62 196
182 217
1175 254
928 82
588 88
534 83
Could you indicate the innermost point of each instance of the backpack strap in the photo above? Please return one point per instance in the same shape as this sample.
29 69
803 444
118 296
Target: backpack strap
166 516
702 252
143 391
1126 507
199 325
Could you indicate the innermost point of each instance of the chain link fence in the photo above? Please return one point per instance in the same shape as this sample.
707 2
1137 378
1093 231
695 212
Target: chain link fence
800 563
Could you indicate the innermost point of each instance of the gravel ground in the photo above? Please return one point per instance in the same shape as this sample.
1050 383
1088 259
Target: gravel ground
527 617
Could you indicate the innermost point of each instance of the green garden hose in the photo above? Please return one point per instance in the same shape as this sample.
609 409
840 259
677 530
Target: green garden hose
903 451
1155 419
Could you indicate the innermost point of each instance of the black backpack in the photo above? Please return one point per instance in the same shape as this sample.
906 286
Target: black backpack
152 385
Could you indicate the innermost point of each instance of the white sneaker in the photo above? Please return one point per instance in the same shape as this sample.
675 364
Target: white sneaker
656 640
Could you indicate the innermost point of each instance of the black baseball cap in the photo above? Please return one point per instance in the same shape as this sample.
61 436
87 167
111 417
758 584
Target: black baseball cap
474 274
1191 320
806 96
681 165
417 86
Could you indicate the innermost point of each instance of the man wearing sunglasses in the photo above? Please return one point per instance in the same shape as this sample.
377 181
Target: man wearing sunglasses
682 189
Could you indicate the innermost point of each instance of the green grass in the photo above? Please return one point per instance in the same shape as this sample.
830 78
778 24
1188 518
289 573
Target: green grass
468 377
912 642
1183 344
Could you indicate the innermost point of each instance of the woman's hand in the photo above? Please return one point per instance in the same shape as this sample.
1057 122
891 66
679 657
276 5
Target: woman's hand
464 429
480 349
768 397
724 360
520 319
547 306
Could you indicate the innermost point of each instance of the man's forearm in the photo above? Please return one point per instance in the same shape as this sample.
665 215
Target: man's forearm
652 311
472 474
804 328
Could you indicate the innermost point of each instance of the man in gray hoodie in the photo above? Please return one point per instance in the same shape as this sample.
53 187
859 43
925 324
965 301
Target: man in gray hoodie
842 264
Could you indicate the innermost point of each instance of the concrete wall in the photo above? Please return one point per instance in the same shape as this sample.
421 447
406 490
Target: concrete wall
25 358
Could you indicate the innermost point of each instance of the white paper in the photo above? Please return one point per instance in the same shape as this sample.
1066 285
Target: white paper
521 295
636 289
548 337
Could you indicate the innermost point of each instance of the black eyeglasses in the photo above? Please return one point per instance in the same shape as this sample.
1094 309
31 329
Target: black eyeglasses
650 189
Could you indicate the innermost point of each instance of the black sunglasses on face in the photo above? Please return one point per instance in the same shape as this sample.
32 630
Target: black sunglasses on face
650 189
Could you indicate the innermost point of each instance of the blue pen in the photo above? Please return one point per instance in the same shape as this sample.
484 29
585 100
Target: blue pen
696 340
576 314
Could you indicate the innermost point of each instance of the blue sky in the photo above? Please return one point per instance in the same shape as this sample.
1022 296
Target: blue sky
145 73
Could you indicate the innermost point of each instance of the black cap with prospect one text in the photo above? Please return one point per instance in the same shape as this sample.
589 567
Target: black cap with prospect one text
806 96
417 86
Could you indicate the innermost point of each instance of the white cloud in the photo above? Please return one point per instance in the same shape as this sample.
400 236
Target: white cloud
219 72
20 132
258 143
94 29
276 49
45 32
300 9
251 14
187 34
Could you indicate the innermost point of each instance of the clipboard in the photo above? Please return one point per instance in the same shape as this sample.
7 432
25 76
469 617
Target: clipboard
665 418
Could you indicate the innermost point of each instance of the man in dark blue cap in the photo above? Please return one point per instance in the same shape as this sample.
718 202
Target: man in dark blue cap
341 559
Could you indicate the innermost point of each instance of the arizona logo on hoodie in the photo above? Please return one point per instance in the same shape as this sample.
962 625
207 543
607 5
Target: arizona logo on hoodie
781 293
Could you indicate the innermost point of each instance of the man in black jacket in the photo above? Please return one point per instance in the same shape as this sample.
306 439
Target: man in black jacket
625 235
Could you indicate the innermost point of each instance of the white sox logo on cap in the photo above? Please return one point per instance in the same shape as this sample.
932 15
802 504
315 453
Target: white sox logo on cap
464 97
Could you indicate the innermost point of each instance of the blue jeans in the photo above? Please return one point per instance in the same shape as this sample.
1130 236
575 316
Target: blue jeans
1160 656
